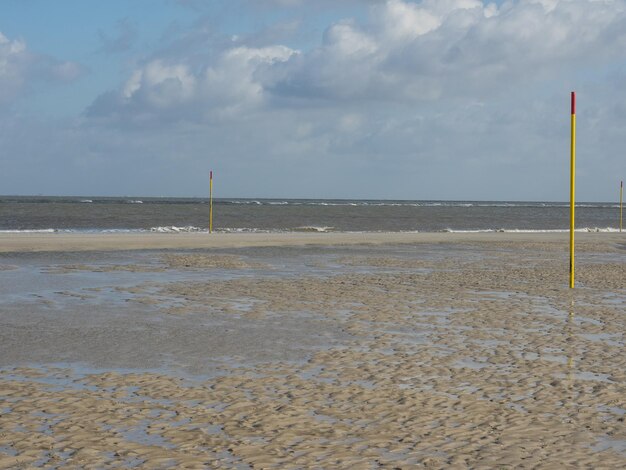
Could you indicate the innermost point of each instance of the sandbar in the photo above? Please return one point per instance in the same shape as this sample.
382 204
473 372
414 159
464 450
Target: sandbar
11 242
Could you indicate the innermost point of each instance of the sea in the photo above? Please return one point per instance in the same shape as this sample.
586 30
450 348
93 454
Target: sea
149 214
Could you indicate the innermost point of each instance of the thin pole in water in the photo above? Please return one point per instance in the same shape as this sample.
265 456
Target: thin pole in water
572 193
211 202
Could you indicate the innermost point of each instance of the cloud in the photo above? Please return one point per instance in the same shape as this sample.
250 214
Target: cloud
423 51
305 3
407 52
160 85
432 99
14 60
20 68
226 88
122 41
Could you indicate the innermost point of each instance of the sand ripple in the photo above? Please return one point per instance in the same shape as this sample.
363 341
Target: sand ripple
487 361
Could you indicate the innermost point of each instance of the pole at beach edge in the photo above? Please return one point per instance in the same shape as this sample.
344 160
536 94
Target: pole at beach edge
211 202
621 194
572 193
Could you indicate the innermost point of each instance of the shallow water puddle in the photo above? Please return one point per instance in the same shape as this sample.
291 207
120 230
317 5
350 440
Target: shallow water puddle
606 443
613 339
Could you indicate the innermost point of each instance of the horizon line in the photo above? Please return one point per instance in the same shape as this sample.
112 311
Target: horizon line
293 198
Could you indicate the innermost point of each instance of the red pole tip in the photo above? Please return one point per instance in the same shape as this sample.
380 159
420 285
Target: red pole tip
211 174
573 102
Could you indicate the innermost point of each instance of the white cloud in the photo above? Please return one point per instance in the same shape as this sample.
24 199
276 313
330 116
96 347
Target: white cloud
345 41
408 51
548 5
233 84
420 51
222 89
20 68
421 93
161 85
234 73
13 61
400 20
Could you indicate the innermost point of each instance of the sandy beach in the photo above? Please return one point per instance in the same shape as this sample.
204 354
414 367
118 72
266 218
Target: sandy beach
21 242
307 350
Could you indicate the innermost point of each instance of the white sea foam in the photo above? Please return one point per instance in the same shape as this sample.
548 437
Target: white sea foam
312 228
356 203
244 230
174 229
42 230
515 230
76 230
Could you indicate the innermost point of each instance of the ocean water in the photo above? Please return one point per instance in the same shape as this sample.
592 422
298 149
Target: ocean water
98 214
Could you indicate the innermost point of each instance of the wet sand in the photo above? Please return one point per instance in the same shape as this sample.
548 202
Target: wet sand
462 352
20 242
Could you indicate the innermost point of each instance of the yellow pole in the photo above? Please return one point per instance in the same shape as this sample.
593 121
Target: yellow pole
621 194
572 193
211 202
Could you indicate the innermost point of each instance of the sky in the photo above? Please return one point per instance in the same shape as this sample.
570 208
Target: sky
369 99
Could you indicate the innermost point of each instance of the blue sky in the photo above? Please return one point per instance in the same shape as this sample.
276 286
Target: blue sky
398 99
77 30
